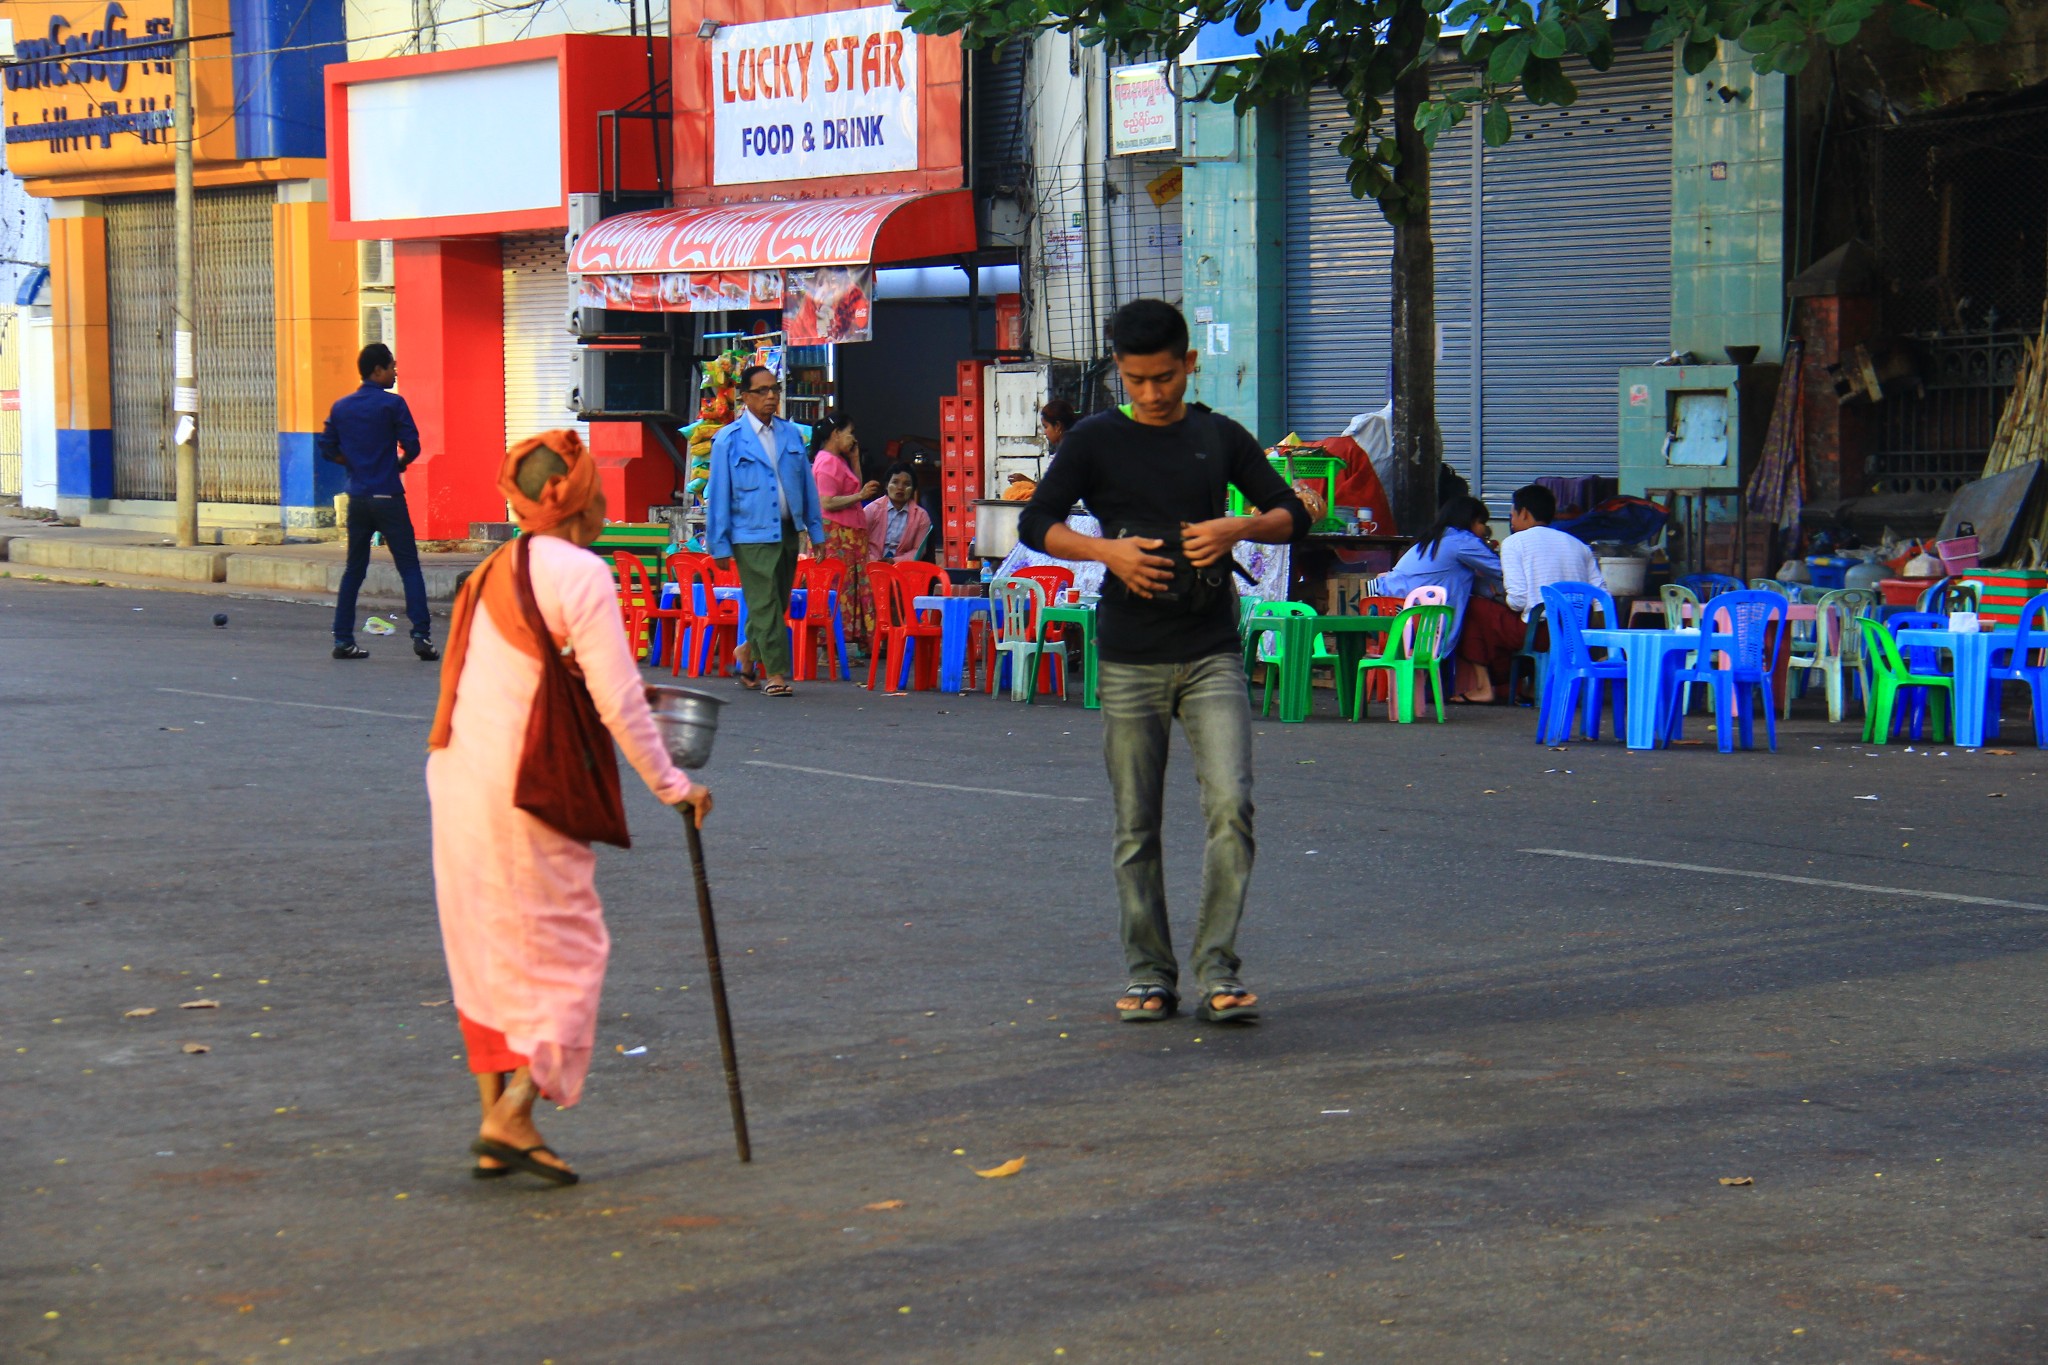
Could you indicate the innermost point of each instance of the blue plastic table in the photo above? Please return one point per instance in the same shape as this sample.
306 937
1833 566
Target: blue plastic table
1649 654
956 620
671 593
1971 651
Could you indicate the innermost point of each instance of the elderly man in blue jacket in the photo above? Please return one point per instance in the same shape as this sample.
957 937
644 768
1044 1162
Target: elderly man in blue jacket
762 511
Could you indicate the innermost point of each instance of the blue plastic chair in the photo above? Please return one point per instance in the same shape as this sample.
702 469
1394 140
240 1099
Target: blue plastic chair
1536 661
1749 630
2018 668
1575 676
1708 585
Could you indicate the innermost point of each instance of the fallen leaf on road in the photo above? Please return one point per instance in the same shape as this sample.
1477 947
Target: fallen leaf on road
1737 1180
196 1047
883 1205
142 1013
2002 753
200 1005
1994 795
1010 1167
1687 743
433 1004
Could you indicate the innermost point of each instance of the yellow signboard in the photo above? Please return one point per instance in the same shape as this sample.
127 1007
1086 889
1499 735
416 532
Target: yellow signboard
90 88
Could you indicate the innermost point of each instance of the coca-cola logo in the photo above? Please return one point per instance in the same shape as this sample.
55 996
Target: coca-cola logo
823 232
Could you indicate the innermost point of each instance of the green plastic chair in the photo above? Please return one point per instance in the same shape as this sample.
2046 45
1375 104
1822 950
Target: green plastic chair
1888 674
1411 649
1264 643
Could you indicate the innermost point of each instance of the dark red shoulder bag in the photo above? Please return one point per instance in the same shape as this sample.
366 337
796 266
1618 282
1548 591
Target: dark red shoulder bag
568 774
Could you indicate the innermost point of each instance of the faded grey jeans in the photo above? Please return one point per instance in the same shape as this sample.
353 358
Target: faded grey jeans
1139 705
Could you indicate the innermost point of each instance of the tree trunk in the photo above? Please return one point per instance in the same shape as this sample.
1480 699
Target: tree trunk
1418 445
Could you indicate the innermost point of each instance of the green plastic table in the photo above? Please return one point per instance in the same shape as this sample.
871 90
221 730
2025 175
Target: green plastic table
1347 635
1084 617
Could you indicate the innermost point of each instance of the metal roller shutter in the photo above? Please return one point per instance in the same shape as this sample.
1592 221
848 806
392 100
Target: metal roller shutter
1339 282
1573 280
236 345
540 351
1577 272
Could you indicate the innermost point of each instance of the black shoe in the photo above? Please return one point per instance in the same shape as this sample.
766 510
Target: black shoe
424 647
351 651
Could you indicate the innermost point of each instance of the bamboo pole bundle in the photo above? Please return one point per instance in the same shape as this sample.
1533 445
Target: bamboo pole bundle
2022 436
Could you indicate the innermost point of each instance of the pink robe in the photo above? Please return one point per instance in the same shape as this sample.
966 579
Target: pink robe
520 918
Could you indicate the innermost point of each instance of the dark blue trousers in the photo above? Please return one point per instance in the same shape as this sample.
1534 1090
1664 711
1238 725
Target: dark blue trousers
367 516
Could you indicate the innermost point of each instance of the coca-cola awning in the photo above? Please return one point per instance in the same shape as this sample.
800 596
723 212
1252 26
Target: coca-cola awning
789 234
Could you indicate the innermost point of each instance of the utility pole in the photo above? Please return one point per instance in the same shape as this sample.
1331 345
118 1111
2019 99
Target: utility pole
185 363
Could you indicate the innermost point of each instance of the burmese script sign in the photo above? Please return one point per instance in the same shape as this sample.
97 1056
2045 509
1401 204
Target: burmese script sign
822 95
90 88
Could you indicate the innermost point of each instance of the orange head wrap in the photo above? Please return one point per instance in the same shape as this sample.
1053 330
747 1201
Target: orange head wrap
494 585
565 497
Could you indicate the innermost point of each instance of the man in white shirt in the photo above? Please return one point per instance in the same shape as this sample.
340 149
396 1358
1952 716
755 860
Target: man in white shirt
1536 554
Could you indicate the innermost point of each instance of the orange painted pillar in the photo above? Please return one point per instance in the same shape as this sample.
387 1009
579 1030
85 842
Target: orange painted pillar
317 328
451 372
78 322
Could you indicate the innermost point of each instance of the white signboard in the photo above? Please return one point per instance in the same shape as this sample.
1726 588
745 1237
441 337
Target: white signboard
823 95
432 145
1141 113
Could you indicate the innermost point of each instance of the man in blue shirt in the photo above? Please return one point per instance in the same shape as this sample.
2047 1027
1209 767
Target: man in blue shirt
371 434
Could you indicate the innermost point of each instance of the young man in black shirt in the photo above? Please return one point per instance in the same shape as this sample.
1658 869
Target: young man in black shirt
1155 475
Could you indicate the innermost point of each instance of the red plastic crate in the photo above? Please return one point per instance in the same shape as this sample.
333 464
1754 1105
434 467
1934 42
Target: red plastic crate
968 378
949 416
970 418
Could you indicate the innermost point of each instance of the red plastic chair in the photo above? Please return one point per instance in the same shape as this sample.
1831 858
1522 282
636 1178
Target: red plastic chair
713 628
682 633
1051 577
639 602
819 578
898 631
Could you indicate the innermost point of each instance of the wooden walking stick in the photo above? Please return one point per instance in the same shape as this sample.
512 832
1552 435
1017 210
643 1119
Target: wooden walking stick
732 1063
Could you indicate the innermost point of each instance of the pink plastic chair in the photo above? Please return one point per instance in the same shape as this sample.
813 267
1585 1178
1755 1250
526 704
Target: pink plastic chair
1428 595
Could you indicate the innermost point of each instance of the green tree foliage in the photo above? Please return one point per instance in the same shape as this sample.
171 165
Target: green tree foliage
1510 50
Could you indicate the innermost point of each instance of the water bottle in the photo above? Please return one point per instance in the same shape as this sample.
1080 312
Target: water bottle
988 573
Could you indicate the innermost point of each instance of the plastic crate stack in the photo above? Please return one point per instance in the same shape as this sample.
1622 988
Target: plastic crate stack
960 470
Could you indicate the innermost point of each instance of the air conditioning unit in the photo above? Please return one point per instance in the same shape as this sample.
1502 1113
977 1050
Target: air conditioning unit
630 383
585 212
373 265
377 322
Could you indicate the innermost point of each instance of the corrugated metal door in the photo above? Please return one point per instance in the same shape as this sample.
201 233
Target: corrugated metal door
236 345
1573 280
540 351
1577 271
1339 291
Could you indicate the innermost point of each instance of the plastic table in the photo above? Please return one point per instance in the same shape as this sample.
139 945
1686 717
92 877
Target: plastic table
956 620
671 593
1649 653
1347 639
1082 615
1971 651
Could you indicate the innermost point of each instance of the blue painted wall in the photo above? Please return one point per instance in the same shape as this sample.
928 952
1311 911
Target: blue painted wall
283 106
85 463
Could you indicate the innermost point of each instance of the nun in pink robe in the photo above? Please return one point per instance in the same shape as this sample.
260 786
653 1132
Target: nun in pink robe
520 918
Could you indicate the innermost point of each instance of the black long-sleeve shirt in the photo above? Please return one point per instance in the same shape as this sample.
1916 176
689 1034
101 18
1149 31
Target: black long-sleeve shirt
1130 473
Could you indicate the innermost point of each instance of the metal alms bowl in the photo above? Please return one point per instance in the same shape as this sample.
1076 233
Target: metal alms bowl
688 721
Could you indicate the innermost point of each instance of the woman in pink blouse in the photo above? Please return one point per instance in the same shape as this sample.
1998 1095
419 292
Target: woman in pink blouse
835 464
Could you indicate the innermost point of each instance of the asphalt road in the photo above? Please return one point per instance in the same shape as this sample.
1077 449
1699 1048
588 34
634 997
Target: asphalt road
1487 1116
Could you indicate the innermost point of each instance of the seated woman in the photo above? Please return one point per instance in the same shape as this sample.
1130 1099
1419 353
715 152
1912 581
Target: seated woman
1454 555
897 528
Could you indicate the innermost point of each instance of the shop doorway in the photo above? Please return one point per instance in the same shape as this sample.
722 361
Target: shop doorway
236 345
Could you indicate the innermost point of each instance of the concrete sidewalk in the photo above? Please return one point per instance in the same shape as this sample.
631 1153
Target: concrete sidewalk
303 571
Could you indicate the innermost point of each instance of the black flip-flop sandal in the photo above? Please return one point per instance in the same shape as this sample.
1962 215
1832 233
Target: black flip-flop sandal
776 689
1141 991
1235 1014
483 1172
517 1160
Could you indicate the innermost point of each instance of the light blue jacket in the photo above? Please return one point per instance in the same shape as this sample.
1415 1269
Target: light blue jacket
740 502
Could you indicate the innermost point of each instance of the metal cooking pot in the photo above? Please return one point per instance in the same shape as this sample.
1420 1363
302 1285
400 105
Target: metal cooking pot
995 527
688 721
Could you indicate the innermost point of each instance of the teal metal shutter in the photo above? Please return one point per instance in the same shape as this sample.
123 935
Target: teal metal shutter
1576 272
1339 295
